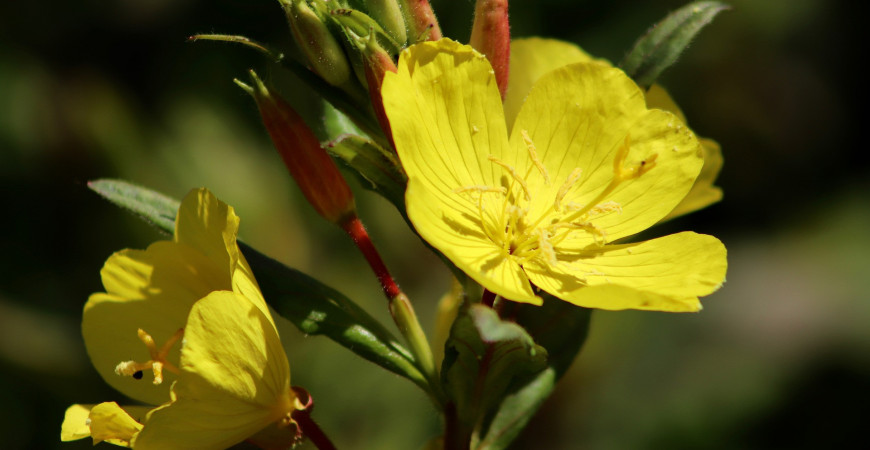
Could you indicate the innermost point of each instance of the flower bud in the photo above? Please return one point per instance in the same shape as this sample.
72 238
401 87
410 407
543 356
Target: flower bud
491 36
377 63
323 52
421 21
389 15
309 164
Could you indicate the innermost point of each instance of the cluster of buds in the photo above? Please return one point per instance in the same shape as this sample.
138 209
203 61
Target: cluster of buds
350 50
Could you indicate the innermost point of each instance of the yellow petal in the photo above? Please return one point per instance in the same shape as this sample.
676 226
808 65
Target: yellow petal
235 378
75 423
152 290
210 226
658 98
703 193
461 239
109 422
578 117
531 58
446 115
664 274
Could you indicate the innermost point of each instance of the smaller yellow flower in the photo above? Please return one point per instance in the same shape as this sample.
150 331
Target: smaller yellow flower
204 345
536 198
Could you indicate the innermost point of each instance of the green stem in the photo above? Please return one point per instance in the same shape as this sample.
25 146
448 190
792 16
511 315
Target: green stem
400 307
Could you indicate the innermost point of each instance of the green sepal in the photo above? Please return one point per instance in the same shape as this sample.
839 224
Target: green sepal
314 308
664 42
561 328
358 24
483 356
379 170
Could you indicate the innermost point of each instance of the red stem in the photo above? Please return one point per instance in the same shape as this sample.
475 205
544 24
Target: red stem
355 229
312 431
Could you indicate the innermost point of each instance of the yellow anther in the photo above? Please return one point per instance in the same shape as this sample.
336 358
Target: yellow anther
623 173
480 189
546 247
598 235
605 208
513 173
569 183
158 358
533 155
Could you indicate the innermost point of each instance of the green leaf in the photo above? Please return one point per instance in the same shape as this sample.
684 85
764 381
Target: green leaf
483 356
560 328
316 309
379 169
664 42
153 207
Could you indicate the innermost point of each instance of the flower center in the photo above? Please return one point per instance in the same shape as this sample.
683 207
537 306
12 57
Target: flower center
504 211
158 360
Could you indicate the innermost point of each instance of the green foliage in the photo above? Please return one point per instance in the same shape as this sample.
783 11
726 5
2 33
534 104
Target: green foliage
664 42
560 328
316 309
483 356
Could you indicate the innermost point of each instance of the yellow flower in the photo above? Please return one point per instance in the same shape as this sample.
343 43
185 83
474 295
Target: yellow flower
204 345
534 57
586 164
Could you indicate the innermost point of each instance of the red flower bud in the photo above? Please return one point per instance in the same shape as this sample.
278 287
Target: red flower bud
313 169
491 35
377 63
421 21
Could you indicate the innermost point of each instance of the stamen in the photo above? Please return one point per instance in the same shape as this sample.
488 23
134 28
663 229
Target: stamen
546 247
622 173
569 183
533 155
480 189
158 358
513 173
605 208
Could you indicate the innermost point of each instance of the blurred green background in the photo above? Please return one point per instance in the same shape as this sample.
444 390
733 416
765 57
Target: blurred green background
780 357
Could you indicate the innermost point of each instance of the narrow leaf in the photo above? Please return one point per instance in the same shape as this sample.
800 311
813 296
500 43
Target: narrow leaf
560 328
153 207
664 42
316 309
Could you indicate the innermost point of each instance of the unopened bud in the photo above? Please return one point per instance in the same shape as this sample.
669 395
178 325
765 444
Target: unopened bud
377 63
389 15
322 50
421 21
309 164
491 36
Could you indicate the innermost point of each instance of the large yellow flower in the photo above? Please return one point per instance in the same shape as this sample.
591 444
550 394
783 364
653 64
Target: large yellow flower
585 164
202 341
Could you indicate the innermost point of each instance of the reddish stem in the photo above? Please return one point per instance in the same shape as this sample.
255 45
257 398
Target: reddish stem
355 229
312 431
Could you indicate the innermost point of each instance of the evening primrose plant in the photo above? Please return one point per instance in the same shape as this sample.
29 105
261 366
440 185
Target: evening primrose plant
528 166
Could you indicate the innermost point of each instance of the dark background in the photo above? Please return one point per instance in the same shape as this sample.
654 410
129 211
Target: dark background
780 357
